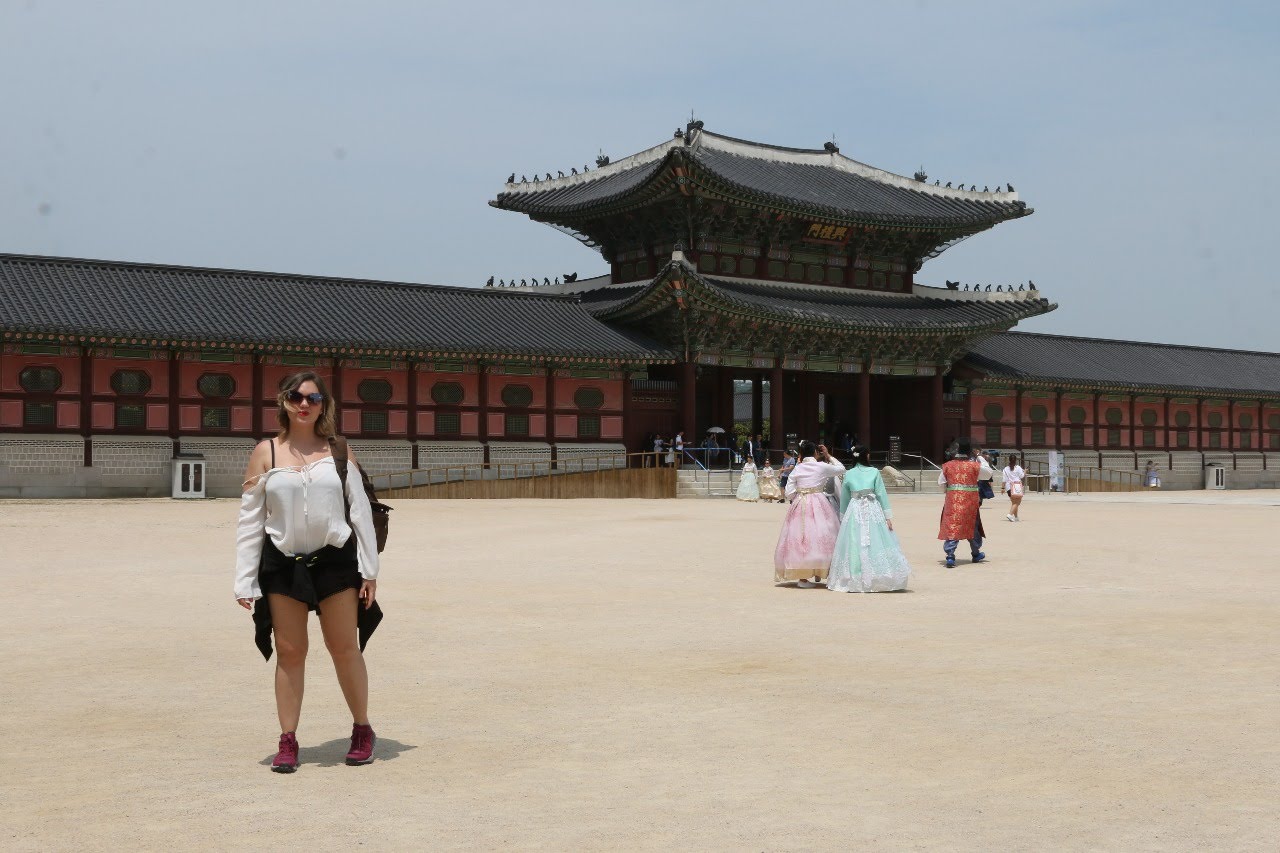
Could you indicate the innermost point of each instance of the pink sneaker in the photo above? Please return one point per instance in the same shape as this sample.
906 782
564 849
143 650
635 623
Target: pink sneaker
286 760
362 741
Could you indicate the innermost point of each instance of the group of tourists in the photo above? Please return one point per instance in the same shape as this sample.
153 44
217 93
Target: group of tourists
838 529
765 484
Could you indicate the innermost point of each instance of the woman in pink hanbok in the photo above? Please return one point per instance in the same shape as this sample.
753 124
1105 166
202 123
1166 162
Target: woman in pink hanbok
809 533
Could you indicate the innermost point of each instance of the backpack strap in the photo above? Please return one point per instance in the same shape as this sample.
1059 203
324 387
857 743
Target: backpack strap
338 446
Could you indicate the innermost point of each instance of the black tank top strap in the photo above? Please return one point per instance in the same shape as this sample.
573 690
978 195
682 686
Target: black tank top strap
273 451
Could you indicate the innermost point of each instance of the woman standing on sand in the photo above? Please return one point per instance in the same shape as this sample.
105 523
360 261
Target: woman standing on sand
867 556
305 544
748 486
769 489
809 533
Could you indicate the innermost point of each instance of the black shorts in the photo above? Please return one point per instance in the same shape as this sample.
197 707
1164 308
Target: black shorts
310 579
334 570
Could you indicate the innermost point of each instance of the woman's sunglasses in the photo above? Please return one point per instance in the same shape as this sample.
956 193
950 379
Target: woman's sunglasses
315 398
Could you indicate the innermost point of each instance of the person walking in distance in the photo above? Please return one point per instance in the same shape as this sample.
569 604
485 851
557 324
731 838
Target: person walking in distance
307 542
960 516
1011 478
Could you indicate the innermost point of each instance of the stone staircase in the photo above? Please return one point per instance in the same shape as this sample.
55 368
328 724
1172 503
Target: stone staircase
696 483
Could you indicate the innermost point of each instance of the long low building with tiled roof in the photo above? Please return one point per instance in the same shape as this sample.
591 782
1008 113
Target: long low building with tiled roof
751 288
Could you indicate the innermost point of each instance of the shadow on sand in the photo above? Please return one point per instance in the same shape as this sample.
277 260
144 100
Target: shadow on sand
334 752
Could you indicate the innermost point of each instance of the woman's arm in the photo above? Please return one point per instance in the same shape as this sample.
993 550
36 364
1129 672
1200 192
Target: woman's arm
251 526
883 497
361 521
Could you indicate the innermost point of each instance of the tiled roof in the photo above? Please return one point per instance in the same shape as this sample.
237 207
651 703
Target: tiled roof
824 182
860 308
110 299
1096 361
836 306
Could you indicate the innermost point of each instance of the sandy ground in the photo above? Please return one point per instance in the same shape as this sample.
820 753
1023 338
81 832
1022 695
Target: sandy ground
569 675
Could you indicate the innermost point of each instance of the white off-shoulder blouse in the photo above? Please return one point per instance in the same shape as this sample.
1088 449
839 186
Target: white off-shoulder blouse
300 508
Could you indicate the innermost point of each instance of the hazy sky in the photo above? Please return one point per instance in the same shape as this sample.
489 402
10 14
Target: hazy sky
364 138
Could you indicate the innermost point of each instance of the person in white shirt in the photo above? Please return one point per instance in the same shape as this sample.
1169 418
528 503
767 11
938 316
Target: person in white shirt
299 549
1011 478
808 535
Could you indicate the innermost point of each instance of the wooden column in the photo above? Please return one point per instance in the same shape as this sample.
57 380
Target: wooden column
1133 420
255 391
1168 445
174 367
935 404
1017 418
551 410
1200 424
1097 445
1231 430
688 399
482 383
626 408
86 404
864 404
757 405
1057 419
777 429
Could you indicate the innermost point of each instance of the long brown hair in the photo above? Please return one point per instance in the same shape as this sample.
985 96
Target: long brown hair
326 424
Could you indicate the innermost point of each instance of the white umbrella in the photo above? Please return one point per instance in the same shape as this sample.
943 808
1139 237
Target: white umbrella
716 429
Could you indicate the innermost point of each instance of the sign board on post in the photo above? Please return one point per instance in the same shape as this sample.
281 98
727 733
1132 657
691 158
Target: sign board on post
1055 471
895 450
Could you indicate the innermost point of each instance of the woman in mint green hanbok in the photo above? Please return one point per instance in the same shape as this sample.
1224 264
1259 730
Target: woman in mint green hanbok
867 556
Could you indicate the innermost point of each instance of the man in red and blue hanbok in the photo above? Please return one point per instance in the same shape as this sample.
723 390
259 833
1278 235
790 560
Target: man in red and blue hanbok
960 516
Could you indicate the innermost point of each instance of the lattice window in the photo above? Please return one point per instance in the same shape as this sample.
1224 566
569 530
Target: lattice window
777 269
40 380
215 417
1273 421
1076 414
747 266
1037 435
129 416
1246 441
1114 437
706 263
517 396
1148 417
1215 420
448 423
517 426
588 426
1038 414
1183 438
216 385
1114 416
1148 438
1275 441
1246 420
993 436
373 422
374 390
130 382
1077 437
993 411
447 393
728 264
38 414
1182 419
1215 439
588 398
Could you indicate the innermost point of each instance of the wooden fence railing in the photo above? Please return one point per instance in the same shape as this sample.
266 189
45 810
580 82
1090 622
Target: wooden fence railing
613 475
1078 478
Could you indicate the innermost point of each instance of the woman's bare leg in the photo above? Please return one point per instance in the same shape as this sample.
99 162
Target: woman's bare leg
338 623
1017 502
289 623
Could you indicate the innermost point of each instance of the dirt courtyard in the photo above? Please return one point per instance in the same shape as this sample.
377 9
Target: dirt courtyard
623 675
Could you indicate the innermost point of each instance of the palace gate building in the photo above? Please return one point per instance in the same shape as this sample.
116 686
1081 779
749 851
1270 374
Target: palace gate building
790 275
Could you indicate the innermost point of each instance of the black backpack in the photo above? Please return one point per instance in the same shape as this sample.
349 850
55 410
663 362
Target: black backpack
381 512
